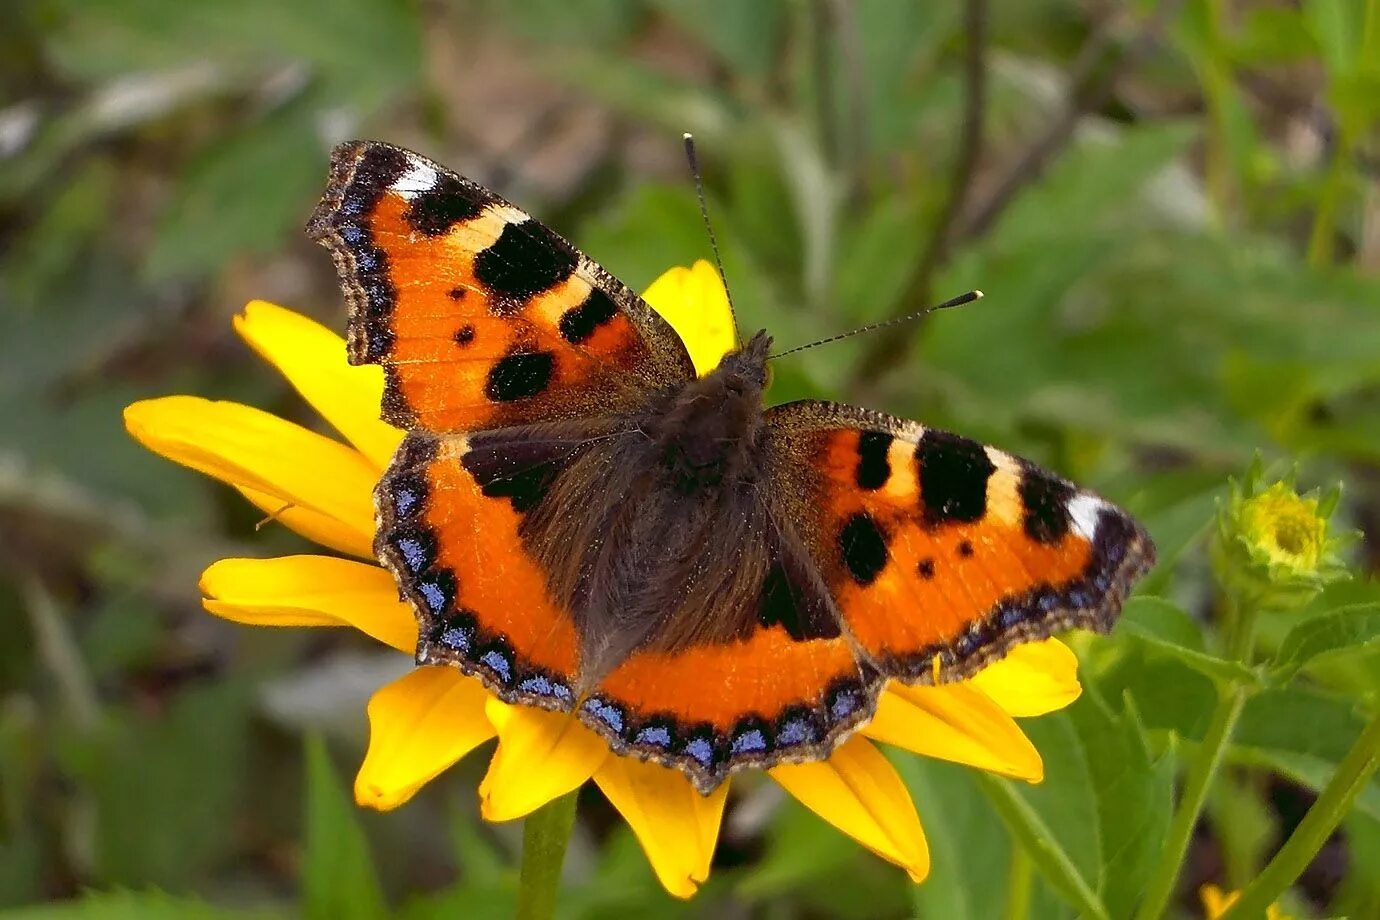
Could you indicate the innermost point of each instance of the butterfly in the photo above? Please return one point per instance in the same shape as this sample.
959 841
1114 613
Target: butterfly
585 525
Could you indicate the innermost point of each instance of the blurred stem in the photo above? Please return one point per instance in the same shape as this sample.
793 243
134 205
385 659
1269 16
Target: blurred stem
1231 699
57 649
545 835
1020 885
1353 774
891 348
1321 237
1217 89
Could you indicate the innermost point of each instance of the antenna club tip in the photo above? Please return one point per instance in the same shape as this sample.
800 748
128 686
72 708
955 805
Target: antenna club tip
687 136
978 295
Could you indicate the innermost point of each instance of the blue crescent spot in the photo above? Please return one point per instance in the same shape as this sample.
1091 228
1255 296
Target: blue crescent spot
749 742
351 233
458 638
655 735
796 731
414 554
433 595
403 500
537 684
605 712
498 664
845 703
701 750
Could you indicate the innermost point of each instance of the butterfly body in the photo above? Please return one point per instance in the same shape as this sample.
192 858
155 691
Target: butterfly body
586 525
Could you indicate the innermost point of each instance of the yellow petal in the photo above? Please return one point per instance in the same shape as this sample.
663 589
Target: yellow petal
676 826
1215 901
295 468
312 358
1032 679
955 722
311 591
419 725
541 756
858 792
694 302
313 525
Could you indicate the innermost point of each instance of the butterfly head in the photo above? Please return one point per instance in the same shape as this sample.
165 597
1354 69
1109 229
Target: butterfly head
709 431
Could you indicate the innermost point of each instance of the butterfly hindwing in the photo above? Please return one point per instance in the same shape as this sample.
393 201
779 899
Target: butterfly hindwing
481 316
941 553
450 517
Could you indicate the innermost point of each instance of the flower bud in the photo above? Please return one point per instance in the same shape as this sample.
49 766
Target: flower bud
1274 548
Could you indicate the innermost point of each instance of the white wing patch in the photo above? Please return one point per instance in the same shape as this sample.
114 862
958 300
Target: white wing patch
1084 510
419 178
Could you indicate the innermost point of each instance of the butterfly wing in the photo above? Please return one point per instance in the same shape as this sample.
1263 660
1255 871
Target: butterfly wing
481 316
941 554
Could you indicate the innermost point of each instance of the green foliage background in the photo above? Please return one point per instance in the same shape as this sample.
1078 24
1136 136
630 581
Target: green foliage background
1173 208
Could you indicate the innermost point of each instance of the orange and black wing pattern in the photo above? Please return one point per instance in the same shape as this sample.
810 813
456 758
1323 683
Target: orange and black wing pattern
940 553
450 530
481 316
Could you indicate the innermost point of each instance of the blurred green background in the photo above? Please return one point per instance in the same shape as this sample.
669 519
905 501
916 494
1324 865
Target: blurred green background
1174 211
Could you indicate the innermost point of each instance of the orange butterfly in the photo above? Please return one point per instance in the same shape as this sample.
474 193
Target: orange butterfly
586 525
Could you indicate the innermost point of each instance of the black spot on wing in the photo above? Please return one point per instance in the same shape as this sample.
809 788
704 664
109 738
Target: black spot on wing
1045 499
863 546
874 469
520 471
925 568
526 259
790 604
953 477
465 334
520 375
447 203
579 323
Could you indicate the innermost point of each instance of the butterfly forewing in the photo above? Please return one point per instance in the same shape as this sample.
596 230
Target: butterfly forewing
942 553
481 316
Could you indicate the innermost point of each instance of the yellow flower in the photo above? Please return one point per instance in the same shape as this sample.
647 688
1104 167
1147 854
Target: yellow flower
1216 902
427 720
1274 546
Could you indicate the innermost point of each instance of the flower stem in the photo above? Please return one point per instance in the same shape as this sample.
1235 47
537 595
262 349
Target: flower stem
1352 775
1020 885
1231 698
545 834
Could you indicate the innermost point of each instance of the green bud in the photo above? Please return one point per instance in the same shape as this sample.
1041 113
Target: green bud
1274 547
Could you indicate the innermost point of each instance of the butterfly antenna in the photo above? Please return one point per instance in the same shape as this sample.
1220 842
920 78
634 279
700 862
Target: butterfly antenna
958 301
694 162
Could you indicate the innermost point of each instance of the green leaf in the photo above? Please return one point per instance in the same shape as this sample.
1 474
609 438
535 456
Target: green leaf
143 905
246 194
958 824
1029 827
1134 795
1351 630
338 877
163 785
1336 26
1307 770
747 36
1164 628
